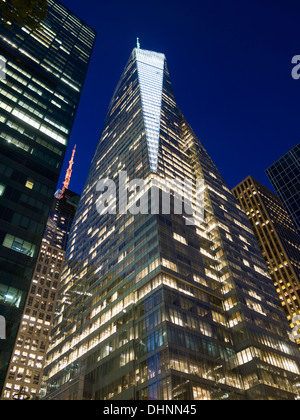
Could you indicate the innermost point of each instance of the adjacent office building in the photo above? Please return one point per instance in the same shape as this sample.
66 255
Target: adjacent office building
42 78
156 304
278 240
285 177
25 372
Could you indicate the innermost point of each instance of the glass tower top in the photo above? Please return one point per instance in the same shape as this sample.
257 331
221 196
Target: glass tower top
150 67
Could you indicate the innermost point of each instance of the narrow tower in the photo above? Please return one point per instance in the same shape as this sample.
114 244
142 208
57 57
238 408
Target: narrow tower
67 180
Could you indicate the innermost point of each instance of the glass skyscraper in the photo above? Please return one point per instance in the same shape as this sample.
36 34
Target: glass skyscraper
41 81
285 177
151 305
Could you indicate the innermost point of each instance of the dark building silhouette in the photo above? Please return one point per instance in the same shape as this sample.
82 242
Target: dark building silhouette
41 81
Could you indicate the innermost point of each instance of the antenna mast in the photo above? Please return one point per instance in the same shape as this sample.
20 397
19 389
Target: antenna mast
68 174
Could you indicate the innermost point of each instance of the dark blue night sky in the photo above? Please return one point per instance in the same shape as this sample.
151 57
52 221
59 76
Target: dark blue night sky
230 64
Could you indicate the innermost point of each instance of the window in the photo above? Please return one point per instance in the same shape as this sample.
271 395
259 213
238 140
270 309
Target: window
180 238
261 271
10 296
201 394
169 264
29 184
254 306
246 263
2 189
19 245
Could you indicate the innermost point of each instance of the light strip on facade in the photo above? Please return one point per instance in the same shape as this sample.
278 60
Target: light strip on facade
151 73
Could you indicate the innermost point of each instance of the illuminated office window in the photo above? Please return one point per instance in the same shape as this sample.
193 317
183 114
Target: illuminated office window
29 184
2 189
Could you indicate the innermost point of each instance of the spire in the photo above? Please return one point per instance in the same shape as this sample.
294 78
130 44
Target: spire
138 45
68 175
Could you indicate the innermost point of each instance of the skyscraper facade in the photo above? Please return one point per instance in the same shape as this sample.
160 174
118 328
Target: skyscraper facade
40 87
285 177
153 305
278 240
25 371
